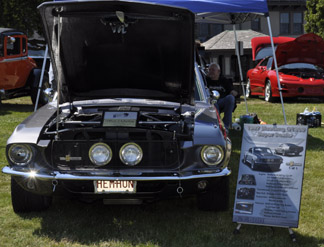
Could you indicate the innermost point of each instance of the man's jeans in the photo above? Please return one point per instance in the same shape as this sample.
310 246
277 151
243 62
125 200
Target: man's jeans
226 105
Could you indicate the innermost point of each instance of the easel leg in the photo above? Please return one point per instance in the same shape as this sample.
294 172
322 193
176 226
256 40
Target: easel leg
237 229
292 235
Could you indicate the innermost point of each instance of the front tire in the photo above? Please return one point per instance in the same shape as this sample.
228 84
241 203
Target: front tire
24 201
268 92
217 198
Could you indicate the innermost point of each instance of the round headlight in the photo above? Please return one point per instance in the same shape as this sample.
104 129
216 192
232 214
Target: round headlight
130 154
20 154
212 155
100 154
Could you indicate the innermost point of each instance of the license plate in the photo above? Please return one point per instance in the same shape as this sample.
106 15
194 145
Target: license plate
102 186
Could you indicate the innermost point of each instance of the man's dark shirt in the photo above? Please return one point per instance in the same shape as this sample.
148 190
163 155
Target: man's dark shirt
222 85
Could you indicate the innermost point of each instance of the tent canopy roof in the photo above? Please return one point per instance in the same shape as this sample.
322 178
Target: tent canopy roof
216 11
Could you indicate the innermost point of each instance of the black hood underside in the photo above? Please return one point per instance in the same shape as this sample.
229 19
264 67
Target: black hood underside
113 49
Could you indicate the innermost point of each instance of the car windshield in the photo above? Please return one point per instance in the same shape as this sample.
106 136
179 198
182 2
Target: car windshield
301 66
264 52
262 150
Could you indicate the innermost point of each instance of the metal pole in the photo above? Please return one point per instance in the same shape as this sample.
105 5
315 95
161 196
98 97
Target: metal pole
276 67
41 78
240 68
59 77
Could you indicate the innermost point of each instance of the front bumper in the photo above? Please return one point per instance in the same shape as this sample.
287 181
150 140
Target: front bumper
295 90
148 187
56 175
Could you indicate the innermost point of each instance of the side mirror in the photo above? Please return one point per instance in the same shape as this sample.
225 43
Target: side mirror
215 96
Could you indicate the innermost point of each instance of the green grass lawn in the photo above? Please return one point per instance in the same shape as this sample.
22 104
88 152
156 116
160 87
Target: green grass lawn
166 223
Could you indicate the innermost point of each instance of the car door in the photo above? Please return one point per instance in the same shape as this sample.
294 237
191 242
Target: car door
14 64
258 76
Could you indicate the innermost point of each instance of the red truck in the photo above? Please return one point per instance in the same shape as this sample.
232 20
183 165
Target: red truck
19 74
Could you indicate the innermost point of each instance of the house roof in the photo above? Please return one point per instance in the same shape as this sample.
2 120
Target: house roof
226 40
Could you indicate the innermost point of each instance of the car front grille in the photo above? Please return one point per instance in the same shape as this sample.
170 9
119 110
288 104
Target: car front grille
74 154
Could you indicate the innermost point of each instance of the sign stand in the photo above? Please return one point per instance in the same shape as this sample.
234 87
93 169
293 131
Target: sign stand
291 233
270 176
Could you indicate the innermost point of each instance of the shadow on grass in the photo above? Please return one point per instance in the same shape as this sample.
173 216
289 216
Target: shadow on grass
314 143
7 108
167 223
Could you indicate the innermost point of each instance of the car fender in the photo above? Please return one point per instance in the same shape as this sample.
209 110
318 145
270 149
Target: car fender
30 129
208 135
272 77
207 129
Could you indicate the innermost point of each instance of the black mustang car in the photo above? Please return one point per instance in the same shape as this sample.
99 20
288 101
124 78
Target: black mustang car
262 158
133 121
289 149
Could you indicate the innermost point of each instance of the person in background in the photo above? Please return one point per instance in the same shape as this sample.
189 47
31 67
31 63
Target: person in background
226 102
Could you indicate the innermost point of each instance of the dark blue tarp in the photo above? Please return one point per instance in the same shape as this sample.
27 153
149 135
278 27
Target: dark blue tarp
219 6
223 6
216 11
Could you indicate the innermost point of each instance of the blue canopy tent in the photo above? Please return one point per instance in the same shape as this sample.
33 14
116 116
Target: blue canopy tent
215 6
223 12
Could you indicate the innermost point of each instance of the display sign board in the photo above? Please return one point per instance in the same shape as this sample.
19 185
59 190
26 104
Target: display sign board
270 176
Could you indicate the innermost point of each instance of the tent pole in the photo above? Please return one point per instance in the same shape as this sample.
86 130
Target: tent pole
240 68
59 77
276 67
40 84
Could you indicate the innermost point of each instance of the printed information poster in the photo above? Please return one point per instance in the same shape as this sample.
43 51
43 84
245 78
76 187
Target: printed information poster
270 176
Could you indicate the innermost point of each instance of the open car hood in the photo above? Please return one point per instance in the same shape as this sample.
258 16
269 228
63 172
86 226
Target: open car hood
307 48
119 49
261 46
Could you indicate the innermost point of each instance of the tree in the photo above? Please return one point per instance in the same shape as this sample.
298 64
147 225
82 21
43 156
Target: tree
314 17
22 15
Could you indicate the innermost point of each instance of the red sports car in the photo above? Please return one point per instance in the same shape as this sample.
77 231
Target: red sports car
300 65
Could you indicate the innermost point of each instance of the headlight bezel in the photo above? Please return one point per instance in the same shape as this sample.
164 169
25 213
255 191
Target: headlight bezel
29 150
122 158
91 156
203 154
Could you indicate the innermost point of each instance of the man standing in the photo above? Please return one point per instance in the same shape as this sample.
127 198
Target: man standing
226 102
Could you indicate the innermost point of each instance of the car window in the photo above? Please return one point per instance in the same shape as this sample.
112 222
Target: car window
24 45
269 64
200 93
197 95
1 47
13 48
262 150
264 52
264 62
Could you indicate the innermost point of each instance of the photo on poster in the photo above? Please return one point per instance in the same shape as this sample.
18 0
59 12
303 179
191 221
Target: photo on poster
269 182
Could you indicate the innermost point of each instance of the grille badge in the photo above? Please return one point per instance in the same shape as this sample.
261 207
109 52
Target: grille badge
68 158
